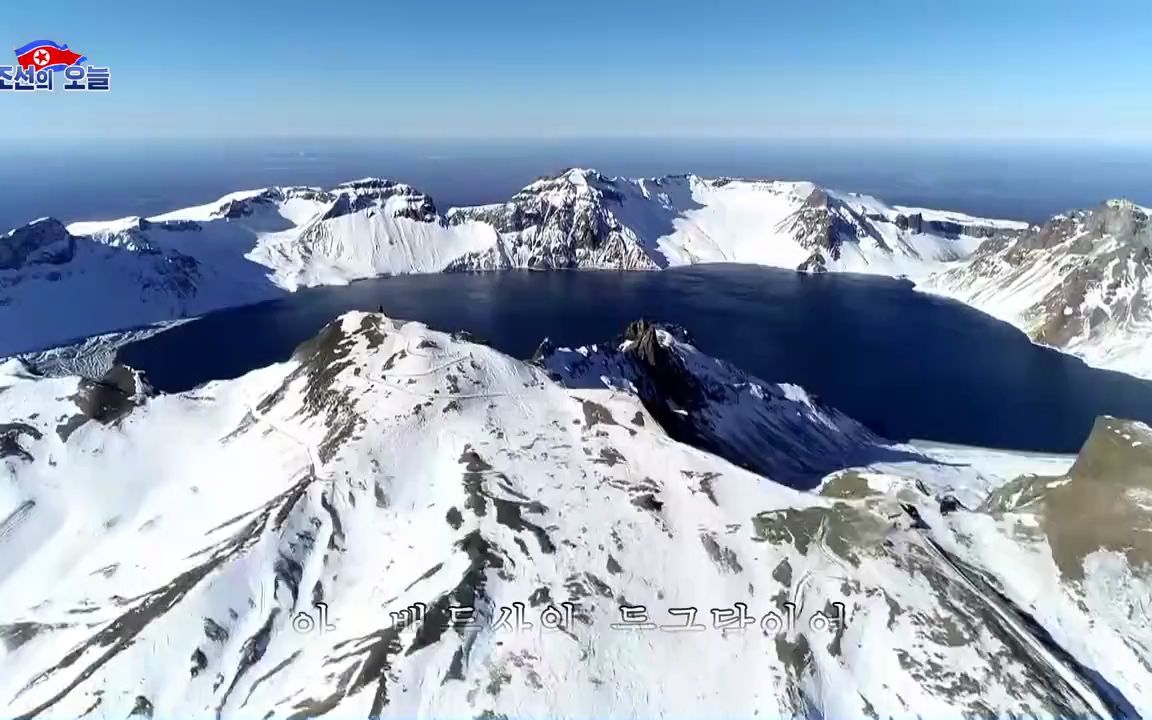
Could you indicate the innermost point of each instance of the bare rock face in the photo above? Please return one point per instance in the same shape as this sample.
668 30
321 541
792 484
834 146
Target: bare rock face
823 224
913 222
44 241
827 223
107 400
1107 254
235 209
771 429
359 195
567 221
1081 281
1102 503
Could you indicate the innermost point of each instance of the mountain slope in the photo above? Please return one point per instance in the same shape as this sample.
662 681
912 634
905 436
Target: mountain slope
1074 552
1081 282
156 554
59 283
95 284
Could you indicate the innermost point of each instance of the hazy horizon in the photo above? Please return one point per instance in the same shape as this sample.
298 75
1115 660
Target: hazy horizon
145 177
1017 110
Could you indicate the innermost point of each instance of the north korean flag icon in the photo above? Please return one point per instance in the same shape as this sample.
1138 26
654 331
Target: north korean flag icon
47 55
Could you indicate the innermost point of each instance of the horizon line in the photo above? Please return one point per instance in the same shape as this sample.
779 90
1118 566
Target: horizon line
547 139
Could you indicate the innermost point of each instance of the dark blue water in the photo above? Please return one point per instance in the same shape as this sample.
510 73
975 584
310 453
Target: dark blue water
111 180
907 364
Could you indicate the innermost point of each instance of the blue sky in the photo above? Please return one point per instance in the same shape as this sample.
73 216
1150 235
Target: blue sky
842 69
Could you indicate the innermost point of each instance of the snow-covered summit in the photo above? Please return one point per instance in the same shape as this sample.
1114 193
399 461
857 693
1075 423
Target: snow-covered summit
399 523
41 242
297 205
1125 204
575 176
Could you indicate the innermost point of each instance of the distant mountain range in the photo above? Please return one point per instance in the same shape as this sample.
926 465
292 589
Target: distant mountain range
1080 282
398 522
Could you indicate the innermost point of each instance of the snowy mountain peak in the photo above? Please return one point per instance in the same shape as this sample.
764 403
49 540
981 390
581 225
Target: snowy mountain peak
581 176
573 182
44 241
398 523
1125 220
397 199
1128 205
243 205
371 183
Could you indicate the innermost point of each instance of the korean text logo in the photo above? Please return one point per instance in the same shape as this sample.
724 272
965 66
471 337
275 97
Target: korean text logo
41 64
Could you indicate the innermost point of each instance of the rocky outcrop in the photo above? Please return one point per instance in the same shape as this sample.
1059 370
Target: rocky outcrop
569 221
777 430
44 241
106 400
1100 505
823 225
1081 281
360 195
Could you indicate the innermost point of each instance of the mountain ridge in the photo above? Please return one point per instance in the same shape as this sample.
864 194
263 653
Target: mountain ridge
1081 282
386 465
256 245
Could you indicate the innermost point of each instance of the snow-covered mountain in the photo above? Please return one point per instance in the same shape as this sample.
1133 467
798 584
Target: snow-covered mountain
1081 282
581 218
164 556
59 284
62 283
